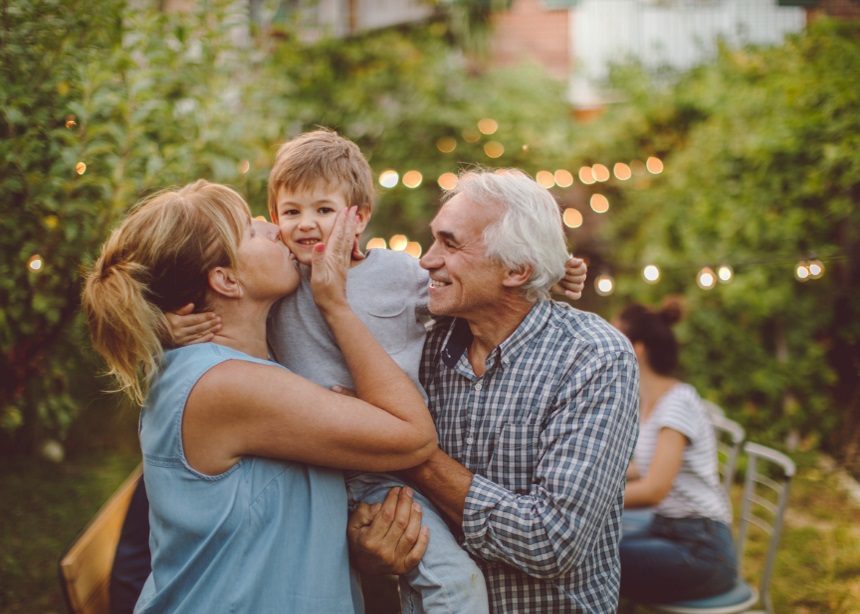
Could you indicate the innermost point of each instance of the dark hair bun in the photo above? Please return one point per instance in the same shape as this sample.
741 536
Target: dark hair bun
671 311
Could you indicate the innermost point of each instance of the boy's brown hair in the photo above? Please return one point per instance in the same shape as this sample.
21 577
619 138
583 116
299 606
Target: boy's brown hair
321 156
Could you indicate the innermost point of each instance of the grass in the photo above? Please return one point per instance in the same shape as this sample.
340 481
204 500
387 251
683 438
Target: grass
44 505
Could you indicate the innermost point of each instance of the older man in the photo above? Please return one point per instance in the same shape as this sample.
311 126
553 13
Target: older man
536 407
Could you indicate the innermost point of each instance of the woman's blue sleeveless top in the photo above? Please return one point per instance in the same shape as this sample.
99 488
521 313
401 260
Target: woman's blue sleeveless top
264 536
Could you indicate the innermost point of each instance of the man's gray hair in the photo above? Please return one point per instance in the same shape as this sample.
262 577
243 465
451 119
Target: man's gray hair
529 232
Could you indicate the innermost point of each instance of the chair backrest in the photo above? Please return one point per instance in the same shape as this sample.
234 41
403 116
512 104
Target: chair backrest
85 568
730 435
765 497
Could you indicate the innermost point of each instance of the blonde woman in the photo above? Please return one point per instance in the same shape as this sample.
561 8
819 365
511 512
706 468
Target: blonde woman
247 507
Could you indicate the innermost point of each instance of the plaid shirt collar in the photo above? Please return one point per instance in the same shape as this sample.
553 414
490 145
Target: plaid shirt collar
460 336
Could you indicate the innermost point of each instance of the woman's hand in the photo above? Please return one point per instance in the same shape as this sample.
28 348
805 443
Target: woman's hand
330 262
573 282
387 538
187 327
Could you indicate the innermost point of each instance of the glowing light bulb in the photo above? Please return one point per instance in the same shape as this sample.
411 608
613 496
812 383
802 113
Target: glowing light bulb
654 165
413 248
801 271
706 278
725 273
398 243
376 243
494 149
388 178
488 126
412 179
622 171
816 269
651 274
446 144
35 263
545 178
600 172
563 178
447 181
572 218
604 285
599 203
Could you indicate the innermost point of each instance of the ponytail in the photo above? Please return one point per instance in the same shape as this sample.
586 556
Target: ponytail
158 260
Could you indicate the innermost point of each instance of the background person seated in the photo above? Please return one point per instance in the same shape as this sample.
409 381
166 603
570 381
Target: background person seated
684 550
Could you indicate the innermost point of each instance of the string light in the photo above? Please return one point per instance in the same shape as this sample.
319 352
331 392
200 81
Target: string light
413 248
816 268
446 144
572 218
604 285
488 126
706 278
586 175
563 178
801 271
654 165
376 243
600 172
651 274
545 179
622 171
599 203
494 149
81 168
398 243
412 179
447 181
725 273
35 263
388 178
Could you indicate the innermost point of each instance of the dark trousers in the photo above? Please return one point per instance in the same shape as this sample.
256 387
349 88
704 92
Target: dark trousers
674 559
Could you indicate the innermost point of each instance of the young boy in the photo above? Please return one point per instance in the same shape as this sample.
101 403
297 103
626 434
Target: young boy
314 176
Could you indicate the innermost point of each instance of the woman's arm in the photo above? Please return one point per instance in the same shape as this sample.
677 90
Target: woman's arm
656 484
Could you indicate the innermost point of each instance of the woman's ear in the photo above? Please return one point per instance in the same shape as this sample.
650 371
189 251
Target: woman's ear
518 277
223 281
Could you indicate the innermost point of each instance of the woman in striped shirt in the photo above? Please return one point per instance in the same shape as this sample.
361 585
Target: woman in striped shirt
685 549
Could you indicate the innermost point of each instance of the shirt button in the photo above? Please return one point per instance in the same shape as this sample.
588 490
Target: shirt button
470 440
478 386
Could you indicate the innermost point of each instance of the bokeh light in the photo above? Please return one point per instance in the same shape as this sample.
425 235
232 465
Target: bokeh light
447 181
446 144
622 171
586 175
599 203
572 218
545 178
413 248
654 165
604 285
494 149
706 278
35 263
388 178
600 172
563 178
244 166
398 242
725 273
376 243
81 168
488 126
412 179
651 273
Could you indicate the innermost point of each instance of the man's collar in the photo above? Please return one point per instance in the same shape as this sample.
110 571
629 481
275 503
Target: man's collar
460 336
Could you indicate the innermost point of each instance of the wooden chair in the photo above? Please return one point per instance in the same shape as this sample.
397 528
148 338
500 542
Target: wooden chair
85 568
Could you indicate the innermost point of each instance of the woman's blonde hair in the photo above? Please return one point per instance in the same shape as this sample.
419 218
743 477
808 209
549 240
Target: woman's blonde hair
158 260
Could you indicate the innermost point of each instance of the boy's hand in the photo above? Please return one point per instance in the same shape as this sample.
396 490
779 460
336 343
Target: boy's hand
187 328
573 282
330 262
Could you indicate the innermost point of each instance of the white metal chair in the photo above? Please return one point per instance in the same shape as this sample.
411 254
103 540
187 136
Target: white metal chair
765 497
730 437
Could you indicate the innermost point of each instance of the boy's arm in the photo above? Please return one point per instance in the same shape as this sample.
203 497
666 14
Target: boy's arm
573 282
187 327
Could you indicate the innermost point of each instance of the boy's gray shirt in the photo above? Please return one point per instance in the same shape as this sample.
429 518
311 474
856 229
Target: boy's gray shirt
387 291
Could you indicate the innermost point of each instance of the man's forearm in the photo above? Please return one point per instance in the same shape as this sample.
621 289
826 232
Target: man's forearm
445 482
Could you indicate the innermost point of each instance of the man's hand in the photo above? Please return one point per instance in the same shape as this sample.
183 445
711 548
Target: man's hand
187 328
573 282
387 537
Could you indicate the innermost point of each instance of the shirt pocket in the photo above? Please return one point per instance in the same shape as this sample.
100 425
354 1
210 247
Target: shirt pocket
388 320
514 456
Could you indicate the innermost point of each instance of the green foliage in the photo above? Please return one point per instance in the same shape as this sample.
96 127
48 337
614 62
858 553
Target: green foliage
148 99
762 158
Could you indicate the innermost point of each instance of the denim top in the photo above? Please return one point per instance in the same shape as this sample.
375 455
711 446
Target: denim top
264 536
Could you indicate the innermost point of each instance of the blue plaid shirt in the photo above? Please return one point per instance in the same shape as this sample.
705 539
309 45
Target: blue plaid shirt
548 431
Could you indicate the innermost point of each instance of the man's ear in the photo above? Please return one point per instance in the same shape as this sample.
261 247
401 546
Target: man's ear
363 214
518 277
223 281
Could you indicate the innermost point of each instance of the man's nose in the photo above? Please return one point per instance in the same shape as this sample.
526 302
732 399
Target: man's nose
430 260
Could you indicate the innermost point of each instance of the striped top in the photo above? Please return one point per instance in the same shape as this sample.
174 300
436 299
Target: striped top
696 490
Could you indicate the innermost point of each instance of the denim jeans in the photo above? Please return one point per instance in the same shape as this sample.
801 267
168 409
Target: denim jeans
446 580
675 559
